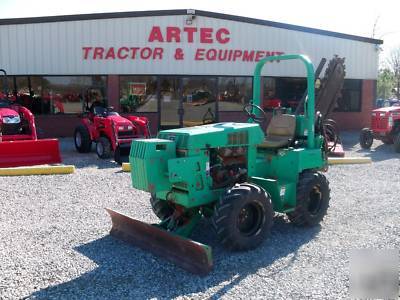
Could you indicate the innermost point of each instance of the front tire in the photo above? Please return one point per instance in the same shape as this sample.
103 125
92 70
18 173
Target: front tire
313 195
83 143
243 217
117 155
103 147
366 138
161 208
387 140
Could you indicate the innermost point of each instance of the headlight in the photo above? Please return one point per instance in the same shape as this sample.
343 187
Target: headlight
11 120
125 128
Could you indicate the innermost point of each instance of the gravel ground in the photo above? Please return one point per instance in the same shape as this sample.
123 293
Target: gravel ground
54 240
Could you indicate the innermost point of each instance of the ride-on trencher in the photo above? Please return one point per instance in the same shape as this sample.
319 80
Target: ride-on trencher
19 145
231 173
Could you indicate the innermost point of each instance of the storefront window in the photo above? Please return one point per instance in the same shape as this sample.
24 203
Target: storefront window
22 91
198 97
59 94
72 94
234 93
350 101
6 85
138 93
283 92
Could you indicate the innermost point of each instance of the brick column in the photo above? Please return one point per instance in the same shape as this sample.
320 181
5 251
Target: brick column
113 91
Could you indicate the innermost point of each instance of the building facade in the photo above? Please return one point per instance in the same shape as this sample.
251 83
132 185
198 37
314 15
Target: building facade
177 67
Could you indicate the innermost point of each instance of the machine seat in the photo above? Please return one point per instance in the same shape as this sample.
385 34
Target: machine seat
280 132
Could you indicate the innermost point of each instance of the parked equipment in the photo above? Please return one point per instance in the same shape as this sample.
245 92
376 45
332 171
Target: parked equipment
385 126
19 145
111 132
232 173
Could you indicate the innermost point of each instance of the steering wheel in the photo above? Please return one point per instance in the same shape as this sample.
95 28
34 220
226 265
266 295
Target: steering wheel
248 109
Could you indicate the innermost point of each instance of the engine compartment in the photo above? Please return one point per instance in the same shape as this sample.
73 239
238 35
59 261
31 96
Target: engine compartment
228 165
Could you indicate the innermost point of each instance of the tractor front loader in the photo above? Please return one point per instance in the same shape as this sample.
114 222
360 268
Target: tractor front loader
233 174
19 145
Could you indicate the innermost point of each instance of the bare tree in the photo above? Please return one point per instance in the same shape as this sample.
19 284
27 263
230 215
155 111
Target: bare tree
375 27
394 64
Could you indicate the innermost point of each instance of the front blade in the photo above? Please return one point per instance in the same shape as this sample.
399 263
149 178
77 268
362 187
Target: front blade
29 153
187 254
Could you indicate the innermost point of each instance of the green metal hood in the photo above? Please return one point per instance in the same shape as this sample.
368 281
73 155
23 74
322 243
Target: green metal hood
215 135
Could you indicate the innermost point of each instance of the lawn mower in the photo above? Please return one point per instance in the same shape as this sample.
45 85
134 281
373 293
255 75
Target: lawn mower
233 174
385 126
111 132
19 145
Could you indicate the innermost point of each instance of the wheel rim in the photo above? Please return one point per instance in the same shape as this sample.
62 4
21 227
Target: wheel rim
99 149
315 200
368 139
250 219
78 139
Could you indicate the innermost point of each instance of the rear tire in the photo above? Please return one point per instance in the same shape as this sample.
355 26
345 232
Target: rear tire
161 208
243 217
117 156
366 138
313 195
83 143
387 140
397 143
103 147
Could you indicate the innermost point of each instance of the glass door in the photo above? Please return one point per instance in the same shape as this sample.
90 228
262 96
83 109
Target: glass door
198 101
170 95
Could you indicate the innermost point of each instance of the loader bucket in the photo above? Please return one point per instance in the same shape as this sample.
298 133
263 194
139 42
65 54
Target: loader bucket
187 254
29 153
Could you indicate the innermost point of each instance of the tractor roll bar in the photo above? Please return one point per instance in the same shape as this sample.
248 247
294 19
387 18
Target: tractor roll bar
309 108
5 86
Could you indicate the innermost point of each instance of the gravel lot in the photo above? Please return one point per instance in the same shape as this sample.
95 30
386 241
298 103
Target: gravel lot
54 240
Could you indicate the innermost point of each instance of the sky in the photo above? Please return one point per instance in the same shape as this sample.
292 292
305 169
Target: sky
378 19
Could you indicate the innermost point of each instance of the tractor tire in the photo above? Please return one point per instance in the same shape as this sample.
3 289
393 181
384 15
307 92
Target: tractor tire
120 155
366 138
161 208
313 195
243 217
103 147
117 156
387 140
397 143
83 143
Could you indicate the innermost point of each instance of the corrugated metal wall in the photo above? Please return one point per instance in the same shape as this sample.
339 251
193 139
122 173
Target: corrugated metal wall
56 48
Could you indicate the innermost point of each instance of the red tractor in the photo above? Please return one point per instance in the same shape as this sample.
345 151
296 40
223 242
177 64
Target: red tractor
385 127
111 132
19 145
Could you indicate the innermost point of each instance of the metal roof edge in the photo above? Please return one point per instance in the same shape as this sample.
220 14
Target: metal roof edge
152 13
